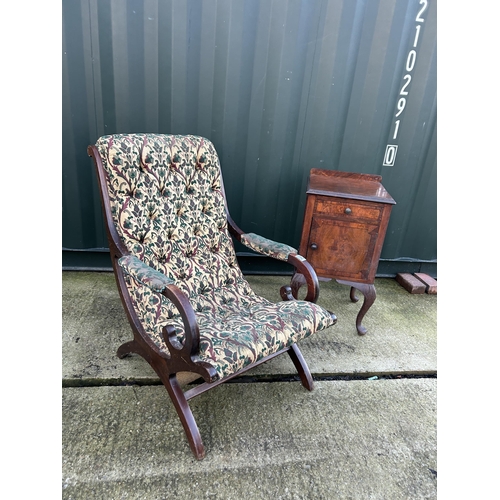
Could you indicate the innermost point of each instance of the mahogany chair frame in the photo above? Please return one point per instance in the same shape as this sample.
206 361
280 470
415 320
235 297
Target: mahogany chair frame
185 357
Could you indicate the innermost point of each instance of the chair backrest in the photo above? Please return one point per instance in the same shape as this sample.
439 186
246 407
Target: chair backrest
168 206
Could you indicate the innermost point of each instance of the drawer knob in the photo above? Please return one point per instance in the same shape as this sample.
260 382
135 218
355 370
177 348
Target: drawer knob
314 246
348 211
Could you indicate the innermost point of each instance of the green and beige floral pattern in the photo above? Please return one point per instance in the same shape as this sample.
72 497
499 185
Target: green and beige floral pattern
168 207
144 274
268 247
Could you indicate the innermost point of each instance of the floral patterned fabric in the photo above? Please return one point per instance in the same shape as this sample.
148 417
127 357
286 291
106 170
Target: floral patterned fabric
268 247
168 207
144 274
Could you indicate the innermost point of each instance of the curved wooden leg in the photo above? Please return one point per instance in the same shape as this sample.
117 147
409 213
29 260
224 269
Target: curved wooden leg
128 348
352 295
369 293
174 391
301 366
186 416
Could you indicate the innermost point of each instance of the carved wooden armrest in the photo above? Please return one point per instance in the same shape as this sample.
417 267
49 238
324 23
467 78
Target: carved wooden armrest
158 282
306 272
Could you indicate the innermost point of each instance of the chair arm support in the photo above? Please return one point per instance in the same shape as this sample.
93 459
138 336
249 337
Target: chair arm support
158 282
302 267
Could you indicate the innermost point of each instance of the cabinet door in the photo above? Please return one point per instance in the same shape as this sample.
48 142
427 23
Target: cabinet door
341 249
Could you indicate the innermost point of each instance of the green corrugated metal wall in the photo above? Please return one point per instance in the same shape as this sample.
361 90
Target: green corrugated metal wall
279 86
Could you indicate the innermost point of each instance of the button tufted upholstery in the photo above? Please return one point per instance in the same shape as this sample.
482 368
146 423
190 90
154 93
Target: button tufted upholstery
168 208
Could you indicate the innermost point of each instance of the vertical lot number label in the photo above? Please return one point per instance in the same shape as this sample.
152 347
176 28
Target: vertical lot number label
392 149
390 155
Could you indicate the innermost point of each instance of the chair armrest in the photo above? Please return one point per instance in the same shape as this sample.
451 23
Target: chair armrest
144 274
267 247
304 272
288 254
158 282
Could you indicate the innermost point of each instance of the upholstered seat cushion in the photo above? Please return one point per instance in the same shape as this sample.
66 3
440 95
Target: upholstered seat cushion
237 327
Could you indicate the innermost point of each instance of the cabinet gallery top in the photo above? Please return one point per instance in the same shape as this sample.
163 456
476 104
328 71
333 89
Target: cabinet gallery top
348 185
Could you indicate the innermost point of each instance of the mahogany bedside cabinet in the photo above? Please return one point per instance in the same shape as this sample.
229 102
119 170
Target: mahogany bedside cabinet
345 222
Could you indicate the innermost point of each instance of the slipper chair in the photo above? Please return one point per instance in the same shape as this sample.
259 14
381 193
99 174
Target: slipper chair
187 301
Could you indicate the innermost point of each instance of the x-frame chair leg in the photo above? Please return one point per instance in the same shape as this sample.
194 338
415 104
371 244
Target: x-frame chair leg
174 391
186 416
301 366
178 397
128 348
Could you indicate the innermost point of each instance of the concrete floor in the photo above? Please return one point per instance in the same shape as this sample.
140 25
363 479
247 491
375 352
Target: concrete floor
350 438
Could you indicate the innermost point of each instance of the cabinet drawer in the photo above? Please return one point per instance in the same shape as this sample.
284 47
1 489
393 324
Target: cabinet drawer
347 210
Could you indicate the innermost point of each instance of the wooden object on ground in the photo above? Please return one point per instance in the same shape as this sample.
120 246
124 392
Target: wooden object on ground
345 223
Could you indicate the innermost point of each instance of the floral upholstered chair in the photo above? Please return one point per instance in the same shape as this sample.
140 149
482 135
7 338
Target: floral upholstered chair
187 301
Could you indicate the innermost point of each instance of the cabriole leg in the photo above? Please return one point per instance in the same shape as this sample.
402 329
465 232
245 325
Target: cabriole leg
369 294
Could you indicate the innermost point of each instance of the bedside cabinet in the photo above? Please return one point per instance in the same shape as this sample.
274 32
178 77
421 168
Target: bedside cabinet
345 222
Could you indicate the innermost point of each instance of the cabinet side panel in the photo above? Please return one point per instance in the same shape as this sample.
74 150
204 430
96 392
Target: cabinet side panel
306 226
